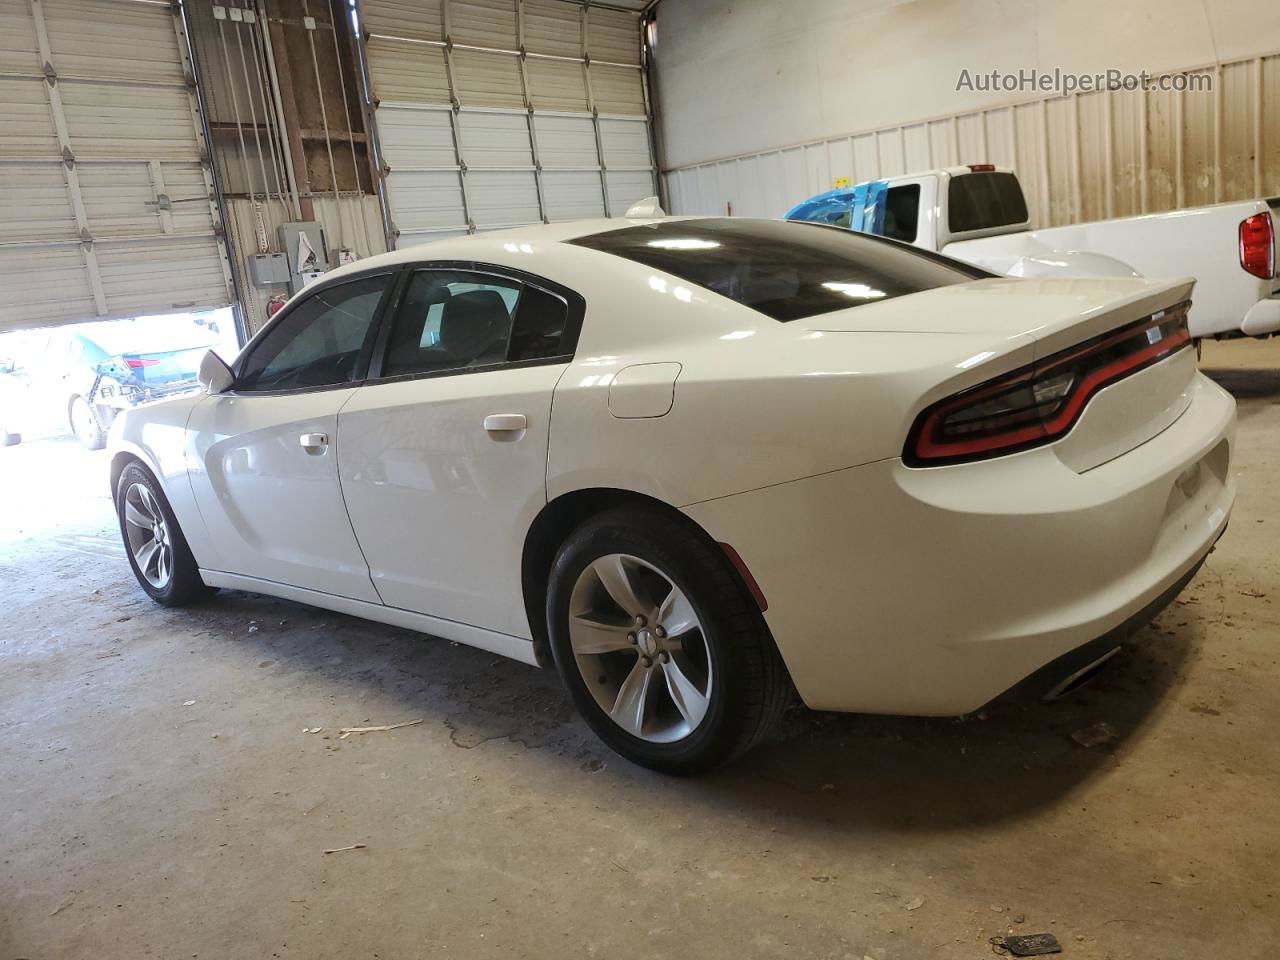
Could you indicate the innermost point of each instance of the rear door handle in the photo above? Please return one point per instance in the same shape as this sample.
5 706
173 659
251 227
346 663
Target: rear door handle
312 442
505 422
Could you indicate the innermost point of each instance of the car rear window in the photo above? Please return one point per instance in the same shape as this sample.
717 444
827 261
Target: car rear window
978 201
786 270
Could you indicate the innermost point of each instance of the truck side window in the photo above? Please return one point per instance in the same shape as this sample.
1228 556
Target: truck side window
902 212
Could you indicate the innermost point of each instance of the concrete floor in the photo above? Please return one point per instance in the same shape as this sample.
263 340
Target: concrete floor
161 796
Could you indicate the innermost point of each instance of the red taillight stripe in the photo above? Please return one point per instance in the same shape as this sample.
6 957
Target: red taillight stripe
925 449
1114 371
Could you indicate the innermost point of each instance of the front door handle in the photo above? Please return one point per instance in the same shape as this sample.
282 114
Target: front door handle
505 422
314 442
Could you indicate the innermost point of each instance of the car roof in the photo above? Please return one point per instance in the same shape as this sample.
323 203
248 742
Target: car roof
481 246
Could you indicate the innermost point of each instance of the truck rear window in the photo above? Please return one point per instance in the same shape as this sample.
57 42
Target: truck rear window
786 270
978 201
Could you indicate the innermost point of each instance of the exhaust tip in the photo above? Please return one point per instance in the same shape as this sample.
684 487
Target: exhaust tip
1078 678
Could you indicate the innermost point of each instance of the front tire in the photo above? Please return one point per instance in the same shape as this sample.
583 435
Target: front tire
661 647
153 541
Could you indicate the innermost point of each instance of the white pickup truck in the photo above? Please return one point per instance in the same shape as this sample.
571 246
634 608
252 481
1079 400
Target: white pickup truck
978 214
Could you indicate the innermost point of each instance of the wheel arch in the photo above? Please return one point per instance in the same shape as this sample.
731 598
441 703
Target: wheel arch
122 458
552 526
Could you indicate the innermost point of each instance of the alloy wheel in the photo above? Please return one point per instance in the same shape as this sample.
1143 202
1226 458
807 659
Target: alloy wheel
640 648
148 534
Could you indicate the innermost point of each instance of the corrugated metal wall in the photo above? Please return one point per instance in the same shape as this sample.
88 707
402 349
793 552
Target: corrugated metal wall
496 113
1086 157
105 192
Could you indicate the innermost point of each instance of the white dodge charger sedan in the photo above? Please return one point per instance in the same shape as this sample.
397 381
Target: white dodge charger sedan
698 463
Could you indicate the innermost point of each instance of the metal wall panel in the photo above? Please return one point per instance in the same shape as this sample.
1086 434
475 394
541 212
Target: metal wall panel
105 202
402 71
495 113
572 195
416 19
553 27
1080 158
492 139
613 36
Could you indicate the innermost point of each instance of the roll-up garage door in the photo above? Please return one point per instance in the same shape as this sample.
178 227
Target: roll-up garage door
497 113
106 208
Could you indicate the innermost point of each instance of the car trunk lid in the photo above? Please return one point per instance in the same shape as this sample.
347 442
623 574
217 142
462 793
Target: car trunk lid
1123 405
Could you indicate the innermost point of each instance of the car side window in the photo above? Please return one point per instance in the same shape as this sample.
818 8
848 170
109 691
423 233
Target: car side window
541 323
318 342
451 320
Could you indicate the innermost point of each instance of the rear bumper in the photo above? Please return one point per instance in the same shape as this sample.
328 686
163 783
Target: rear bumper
1066 670
932 591
1262 319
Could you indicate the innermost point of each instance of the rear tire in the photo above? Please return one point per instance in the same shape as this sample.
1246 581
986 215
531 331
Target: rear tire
86 425
153 541
715 684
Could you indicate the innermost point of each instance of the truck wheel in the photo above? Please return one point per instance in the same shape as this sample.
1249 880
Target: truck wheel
86 425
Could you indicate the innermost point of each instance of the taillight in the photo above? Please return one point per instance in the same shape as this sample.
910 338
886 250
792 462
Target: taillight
981 167
137 363
1257 245
1041 402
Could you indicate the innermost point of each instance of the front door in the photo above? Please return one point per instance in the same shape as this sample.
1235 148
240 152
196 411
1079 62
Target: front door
444 450
263 457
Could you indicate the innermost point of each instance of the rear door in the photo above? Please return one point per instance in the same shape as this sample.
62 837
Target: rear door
263 457
444 450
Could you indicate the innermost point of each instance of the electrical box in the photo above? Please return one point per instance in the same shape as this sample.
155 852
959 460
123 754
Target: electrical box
266 269
303 245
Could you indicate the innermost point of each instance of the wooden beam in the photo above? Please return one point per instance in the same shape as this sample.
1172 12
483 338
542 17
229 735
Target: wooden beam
289 101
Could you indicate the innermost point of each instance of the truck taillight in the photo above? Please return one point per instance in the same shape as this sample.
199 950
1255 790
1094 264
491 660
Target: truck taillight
1257 245
1042 401
137 363
981 167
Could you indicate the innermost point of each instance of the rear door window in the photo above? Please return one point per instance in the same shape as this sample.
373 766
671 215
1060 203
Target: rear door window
451 320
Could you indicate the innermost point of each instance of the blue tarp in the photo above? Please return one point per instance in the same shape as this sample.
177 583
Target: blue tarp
859 208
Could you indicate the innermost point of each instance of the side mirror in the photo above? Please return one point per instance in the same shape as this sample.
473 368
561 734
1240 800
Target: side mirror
215 376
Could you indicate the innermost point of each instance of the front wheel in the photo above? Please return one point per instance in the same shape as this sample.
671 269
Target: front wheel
153 541
662 648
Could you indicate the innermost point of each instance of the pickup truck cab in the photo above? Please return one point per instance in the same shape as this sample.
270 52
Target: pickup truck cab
978 214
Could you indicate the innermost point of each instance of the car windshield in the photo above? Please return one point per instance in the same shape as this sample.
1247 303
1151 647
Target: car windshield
785 270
